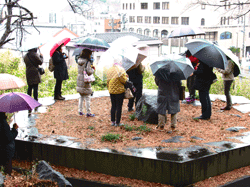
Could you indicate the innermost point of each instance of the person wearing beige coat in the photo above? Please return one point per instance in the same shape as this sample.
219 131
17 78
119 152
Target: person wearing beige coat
228 78
84 88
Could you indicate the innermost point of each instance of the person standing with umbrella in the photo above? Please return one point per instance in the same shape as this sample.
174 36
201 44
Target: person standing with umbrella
7 143
60 71
204 78
32 60
228 78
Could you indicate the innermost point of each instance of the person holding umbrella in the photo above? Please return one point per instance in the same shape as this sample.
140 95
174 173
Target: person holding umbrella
228 78
32 60
204 78
7 143
60 71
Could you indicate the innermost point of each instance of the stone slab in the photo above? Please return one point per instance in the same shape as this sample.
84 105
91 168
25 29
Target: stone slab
245 108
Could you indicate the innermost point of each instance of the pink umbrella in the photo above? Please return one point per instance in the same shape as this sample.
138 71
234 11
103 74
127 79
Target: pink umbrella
13 102
8 82
64 42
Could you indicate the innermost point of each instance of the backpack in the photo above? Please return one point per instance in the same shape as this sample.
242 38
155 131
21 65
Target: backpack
51 65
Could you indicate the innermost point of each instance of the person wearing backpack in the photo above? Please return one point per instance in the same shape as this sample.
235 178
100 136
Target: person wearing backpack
32 61
228 78
85 71
60 71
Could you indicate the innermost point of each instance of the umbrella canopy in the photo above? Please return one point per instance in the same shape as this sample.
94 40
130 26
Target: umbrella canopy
13 102
8 82
234 58
34 41
56 45
92 43
125 41
172 67
77 52
207 52
186 31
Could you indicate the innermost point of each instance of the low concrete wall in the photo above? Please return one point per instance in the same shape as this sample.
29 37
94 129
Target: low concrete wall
152 170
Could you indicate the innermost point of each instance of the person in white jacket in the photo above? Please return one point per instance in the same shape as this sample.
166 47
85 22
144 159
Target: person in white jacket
228 78
83 87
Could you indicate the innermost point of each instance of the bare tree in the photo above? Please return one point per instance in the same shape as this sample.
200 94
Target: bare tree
13 17
81 6
236 8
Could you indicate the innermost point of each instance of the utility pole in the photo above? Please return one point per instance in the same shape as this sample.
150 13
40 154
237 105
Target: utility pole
244 29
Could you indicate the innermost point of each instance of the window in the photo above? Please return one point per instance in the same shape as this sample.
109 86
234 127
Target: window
185 20
139 31
203 6
156 20
147 32
126 6
156 6
223 20
52 18
165 20
164 33
133 6
155 33
165 5
131 19
202 21
174 21
210 36
226 35
130 6
123 6
131 29
147 19
144 6
139 19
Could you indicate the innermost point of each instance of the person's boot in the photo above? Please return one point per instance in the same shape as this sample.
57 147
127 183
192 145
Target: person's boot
60 95
57 97
161 122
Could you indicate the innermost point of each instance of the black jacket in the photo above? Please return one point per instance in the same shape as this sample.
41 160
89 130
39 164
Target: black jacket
135 76
7 137
204 77
61 69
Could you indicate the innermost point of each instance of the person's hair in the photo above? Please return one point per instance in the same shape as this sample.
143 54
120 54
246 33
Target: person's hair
3 115
60 47
86 53
188 53
33 50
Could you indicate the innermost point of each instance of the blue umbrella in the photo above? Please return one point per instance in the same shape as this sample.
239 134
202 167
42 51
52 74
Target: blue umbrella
92 43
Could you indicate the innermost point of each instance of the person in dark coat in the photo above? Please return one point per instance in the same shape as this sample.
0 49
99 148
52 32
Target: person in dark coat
204 79
32 61
60 71
7 143
135 76
167 100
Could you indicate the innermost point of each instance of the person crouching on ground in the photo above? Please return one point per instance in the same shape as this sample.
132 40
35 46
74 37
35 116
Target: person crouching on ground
167 100
228 78
7 143
84 88
116 80
60 71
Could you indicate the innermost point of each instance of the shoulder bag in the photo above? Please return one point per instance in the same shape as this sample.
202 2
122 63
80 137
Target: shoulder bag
88 78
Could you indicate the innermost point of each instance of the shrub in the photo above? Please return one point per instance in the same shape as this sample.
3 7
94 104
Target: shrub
111 137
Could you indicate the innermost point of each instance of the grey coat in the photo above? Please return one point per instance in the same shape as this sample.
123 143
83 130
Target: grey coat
32 61
82 87
168 96
228 73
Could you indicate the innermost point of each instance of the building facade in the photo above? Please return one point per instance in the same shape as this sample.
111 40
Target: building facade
159 18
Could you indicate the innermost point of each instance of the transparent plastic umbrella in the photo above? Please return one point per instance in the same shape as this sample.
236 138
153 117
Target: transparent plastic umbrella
8 82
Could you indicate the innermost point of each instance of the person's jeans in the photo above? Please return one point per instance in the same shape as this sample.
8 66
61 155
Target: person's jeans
116 107
87 103
137 95
227 86
33 87
190 86
58 88
205 104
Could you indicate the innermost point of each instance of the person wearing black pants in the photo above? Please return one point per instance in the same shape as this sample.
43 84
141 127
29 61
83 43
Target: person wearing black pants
32 61
60 71
116 107
203 81
7 143
135 76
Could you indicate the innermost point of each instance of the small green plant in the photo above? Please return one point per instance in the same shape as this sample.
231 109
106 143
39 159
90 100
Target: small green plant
91 127
132 117
144 110
128 128
143 128
111 137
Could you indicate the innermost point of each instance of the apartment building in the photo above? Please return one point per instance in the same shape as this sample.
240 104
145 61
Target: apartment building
158 18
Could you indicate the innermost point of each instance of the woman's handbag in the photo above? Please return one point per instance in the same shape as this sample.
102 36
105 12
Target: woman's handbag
128 94
182 93
41 71
88 78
